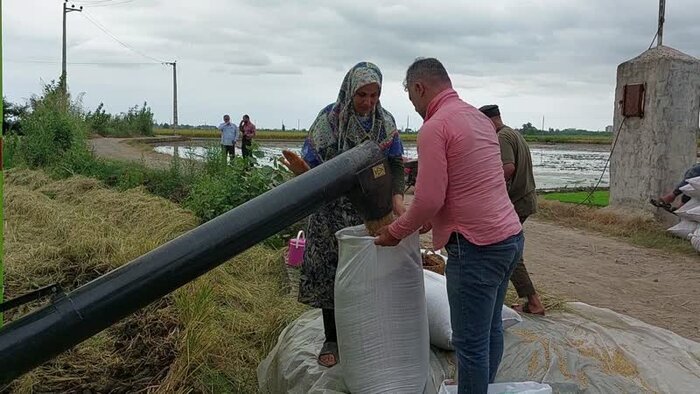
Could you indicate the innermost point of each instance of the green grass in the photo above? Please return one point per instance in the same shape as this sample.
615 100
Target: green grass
279 135
569 139
598 198
270 135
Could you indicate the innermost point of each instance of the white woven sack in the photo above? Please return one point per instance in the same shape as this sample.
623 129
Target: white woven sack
684 228
380 314
439 311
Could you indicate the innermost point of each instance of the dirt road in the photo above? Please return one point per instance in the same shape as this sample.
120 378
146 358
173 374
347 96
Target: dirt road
648 284
651 285
120 149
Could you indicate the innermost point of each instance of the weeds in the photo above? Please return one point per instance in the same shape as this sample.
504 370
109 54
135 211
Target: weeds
137 121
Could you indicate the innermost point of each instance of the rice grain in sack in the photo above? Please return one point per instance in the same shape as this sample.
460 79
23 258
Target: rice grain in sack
380 314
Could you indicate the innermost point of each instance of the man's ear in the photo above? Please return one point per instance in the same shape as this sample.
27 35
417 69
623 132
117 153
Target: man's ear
420 89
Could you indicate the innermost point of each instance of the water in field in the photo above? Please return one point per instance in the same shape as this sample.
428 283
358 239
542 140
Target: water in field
555 166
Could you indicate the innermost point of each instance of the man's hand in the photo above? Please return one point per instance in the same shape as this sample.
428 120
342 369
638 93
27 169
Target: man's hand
384 238
425 228
399 208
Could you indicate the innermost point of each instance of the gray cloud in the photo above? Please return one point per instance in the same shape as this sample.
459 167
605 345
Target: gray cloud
282 60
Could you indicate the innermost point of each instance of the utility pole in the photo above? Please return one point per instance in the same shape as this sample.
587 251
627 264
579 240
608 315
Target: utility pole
66 9
543 123
174 64
662 14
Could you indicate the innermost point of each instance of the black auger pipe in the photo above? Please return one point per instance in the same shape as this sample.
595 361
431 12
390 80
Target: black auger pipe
82 313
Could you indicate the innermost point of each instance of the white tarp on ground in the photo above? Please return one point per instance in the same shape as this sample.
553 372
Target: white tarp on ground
588 350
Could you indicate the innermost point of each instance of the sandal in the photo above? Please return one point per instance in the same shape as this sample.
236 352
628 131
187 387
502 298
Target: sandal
329 349
525 308
663 205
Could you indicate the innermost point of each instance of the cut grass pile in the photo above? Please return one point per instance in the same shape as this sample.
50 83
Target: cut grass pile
208 336
598 198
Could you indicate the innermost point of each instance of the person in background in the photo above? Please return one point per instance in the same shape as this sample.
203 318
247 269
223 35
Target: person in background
229 136
517 169
356 116
461 193
669 198
247 129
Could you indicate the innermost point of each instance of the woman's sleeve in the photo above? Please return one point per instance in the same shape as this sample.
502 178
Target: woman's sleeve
398 182
309 154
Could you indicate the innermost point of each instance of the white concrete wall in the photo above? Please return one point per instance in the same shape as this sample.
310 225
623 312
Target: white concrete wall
653 152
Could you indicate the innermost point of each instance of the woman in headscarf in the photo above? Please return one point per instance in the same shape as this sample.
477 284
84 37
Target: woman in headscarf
356 116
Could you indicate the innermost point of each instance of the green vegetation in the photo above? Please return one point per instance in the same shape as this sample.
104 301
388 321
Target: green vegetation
569 139
137 121
599 198
262 134
74 217
54 135
598 138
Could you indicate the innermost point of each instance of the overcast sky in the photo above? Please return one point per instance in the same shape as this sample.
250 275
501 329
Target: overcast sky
284 60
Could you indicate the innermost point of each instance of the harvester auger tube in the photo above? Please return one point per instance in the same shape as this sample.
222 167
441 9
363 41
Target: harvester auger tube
41 335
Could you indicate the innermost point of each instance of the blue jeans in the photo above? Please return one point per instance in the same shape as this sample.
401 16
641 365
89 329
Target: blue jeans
477 279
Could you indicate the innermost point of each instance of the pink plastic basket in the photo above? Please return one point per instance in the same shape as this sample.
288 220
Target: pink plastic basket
296 250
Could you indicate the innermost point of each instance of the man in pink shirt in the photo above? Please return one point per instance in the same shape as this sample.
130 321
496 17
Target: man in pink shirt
461 194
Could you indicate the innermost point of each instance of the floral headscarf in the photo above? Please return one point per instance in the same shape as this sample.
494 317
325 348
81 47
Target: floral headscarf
338 128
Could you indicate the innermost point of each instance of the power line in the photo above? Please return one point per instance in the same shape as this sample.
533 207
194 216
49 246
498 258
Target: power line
79 63
105 3
605 168
111 35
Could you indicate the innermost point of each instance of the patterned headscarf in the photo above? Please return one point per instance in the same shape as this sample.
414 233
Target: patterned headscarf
339 129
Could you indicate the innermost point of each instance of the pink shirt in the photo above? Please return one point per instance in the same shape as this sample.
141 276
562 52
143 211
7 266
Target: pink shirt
248 130
460 185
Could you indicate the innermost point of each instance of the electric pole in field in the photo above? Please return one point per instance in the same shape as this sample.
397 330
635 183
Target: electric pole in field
66 10
662 14
174 64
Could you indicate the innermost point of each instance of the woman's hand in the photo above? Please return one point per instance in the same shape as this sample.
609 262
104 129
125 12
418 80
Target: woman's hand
399 208
294 163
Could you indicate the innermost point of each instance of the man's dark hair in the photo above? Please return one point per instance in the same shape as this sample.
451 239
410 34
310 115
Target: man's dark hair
426 69
246 116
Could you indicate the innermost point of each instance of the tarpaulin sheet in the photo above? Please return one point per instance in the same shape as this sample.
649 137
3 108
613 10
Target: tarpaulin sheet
585 349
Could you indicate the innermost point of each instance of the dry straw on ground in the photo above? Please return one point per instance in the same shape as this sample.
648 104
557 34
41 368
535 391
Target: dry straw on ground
206 337
642 231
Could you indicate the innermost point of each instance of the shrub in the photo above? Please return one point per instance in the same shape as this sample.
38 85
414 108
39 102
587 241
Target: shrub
53 128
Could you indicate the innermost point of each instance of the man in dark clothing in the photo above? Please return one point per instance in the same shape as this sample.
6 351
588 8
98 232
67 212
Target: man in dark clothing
666 200
247 129
517 168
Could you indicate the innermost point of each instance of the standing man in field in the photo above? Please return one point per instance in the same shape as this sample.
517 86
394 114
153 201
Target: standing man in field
462 195
229 135
247 129
517 169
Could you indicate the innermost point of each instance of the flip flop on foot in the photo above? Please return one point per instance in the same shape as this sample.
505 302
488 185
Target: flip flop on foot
329 355
525 308
662 204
